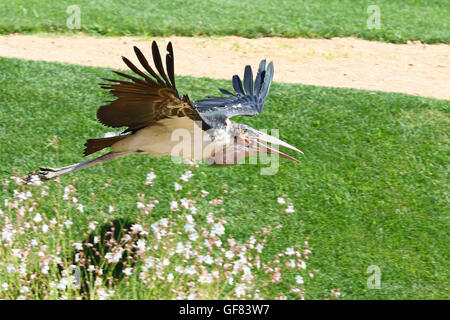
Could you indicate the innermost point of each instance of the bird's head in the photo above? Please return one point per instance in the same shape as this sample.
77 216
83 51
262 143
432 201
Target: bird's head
243 141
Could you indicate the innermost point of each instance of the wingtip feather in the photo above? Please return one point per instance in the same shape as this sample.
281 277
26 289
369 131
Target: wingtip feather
248 80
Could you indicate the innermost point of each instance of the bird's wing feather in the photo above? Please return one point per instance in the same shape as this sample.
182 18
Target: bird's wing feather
143 101
215 110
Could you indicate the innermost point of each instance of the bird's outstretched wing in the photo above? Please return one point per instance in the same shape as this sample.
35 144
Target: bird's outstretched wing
215 110
143 101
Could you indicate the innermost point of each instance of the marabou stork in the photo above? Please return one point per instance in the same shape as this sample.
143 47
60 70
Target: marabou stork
152 109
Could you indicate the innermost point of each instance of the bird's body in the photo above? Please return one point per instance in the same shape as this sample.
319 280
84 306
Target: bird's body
157 139
161 122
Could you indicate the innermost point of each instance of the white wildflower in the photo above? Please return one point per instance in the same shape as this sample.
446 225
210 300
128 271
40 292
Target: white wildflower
127 271
205 278
116 257
136 228
290 251
190 270
140 244
35 180
240 289
78 245
150 177
208 259
102 294
178 186
149 262
10 268
187 175
189 227
179 269
229 254
193 210
93 225
302 265
180 248
189 218
45 269
184 203
140 205
37 218
217 229
290 209
68 223
164 222
24 289
193 236
173 205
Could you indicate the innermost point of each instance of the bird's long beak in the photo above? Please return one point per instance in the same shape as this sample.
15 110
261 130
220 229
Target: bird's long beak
275 141
261 139
263 147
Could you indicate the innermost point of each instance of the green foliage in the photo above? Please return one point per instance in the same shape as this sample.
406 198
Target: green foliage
401 20
371 189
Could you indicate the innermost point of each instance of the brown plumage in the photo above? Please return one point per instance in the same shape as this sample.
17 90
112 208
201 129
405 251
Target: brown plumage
94 145
140 102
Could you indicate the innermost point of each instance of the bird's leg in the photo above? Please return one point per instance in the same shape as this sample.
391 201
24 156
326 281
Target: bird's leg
50 173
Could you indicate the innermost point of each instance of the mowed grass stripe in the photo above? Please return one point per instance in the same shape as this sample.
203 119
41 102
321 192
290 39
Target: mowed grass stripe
400 20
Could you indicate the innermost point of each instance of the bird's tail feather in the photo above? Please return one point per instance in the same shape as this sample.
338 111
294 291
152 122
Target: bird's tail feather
94 145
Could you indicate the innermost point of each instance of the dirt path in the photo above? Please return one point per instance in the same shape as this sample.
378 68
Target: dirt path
413 68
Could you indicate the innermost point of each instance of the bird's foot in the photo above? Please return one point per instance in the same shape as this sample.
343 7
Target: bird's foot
48 173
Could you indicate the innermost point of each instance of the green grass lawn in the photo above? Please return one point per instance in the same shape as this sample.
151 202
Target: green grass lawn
371 189
401 20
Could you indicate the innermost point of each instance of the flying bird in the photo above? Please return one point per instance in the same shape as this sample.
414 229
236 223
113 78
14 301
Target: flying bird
149 106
